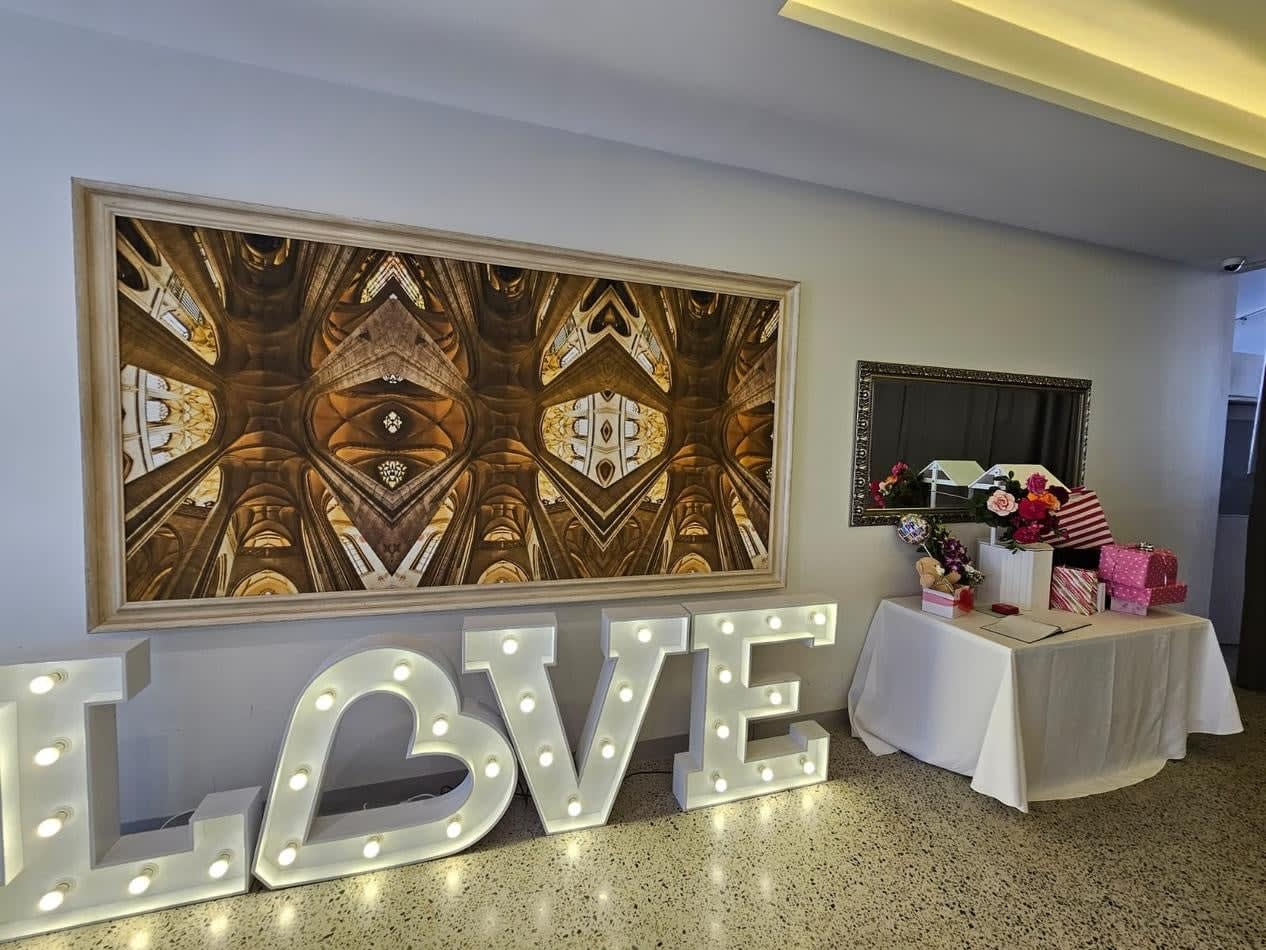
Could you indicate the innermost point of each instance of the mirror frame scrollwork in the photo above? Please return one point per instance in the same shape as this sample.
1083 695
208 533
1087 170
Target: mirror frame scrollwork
861 513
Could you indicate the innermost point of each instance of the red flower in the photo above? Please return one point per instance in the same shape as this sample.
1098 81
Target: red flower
1033 510
1028 534
899 468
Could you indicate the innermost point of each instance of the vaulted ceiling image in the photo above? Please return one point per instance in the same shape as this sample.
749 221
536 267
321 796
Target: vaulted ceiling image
305 417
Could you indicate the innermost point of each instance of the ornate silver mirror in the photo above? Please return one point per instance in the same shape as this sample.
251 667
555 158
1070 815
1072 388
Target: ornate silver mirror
948 427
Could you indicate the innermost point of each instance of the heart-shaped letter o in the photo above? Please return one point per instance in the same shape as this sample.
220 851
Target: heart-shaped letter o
297 846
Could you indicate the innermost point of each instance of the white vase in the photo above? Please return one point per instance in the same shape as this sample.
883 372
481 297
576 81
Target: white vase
1021 578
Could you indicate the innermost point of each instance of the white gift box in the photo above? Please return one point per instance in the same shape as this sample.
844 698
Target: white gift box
1021 577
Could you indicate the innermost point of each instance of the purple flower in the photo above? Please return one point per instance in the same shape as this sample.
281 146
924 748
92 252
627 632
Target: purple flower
1036 483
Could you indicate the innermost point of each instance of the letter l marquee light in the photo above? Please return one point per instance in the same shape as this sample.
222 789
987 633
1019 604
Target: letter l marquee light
64 861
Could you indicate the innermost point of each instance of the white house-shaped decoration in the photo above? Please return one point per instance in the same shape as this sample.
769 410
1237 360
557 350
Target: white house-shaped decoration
960 473
988 480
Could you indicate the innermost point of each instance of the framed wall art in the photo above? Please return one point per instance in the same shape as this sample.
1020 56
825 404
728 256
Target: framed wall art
291 415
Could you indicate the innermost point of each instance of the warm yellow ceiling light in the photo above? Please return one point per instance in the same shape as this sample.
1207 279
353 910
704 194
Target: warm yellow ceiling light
1191 72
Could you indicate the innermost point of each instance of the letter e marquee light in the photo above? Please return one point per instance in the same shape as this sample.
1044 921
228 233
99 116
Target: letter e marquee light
722 765
64 860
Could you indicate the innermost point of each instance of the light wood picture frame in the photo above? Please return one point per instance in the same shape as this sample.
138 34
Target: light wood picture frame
345 416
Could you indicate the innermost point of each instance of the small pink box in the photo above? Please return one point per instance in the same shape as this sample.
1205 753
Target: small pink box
1128 607
1147 596
1137 565
945 605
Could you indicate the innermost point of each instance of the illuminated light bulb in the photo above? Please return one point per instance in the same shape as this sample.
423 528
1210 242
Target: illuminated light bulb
573 807
372 847
724 674
325 702
607 749
818 618
492 768
527 702
644 635
775 623
45 682
510 646
626 693
766 773
719 784
286 856
545 757
722 730
401 671
220 866
454 827
775 697
53 823
54 898
140 884
440 726
807 765
51 753
299 781
727 626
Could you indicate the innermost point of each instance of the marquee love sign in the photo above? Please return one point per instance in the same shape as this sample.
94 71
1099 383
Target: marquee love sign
63 861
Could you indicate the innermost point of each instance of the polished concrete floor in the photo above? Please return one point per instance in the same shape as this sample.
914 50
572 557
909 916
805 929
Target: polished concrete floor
888 853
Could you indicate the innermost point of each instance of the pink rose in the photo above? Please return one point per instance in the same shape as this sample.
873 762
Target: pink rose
1036 483
1001 503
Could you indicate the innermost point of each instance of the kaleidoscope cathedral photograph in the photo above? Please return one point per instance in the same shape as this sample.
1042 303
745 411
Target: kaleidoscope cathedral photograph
302 417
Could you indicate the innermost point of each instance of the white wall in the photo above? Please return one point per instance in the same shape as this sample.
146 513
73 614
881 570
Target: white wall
881 281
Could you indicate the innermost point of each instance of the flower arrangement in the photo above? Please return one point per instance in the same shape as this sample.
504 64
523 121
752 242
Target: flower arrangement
1025 513
946 565
899 489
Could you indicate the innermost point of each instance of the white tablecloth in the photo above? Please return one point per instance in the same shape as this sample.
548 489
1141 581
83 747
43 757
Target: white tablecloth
1075 714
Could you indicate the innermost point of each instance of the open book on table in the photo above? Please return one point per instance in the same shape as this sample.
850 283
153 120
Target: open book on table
1034 625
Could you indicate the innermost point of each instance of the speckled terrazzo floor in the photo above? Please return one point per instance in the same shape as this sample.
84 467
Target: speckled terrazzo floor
889 853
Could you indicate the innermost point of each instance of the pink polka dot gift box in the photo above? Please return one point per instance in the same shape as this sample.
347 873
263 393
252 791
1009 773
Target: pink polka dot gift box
1140 576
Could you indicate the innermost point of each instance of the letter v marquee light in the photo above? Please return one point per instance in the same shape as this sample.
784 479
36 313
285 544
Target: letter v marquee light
516 651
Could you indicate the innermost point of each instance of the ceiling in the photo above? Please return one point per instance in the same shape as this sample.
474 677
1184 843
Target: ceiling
731 81
1194 73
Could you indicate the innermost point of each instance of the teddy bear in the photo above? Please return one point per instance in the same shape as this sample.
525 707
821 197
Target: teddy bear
933 576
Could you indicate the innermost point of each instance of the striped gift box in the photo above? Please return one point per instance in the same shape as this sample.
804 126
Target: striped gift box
1075 590
1082 523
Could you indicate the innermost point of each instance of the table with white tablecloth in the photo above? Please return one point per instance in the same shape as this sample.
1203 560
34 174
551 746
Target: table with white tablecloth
1075 714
